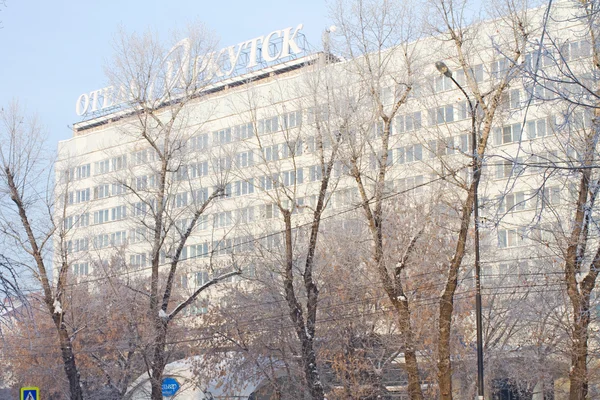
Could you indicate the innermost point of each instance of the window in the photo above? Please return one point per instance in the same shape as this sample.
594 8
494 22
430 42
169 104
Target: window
118 238
268 182
441 115
118 189
340 168
75 221
476 70
537 128
408 122
246 215
181 199
137 260
504 169
222 164
101 241
226 191
198 169
76 245
182 173
575 49
139 209
499 68
315 173
511 99
140 182
118 213
507 134
119 163
271 211
199 142
245 159
100 217
222 247
101 191
138 235
292 148
79 196
271 153
83 171
318 114
198 307
409 153
411 183
442 83
81 269
551 195
200 196
202 223
511 237
293 177
512 202
198 250
244 187
243 131
531 59
581 119
102 167
139 157
222 136
268 125
222 219
291 119
202 278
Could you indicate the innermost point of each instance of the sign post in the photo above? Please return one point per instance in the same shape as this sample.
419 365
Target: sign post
170 386
30 393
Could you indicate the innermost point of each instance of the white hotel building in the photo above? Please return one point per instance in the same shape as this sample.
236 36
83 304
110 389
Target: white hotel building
253 135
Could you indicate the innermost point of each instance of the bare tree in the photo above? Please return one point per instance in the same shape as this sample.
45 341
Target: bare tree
376 36
563 73
512 30
160 93
27 222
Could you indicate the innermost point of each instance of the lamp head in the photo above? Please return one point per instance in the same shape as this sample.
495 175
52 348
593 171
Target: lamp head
443 68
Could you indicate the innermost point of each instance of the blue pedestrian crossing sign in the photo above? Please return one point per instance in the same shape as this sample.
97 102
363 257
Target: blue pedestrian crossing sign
30 393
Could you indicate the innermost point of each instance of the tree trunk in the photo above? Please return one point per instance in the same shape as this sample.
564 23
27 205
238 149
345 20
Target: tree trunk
578 376
309 358
447 299
66 350
158 361
410 354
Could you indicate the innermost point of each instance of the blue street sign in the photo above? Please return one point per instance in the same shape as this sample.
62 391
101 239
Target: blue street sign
170 386
30 393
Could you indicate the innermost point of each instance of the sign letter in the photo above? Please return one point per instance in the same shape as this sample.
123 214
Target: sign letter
266 47
289 42
83 102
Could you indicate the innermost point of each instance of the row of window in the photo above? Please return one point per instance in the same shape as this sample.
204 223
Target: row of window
533 164
109 239
520 200
513 132
522 236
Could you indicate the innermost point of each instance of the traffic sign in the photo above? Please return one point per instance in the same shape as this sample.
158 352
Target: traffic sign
170 386
30 393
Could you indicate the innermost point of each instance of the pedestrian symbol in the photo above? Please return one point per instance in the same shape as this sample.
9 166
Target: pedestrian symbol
30 393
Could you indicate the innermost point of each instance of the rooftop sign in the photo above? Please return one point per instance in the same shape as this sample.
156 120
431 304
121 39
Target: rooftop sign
179 65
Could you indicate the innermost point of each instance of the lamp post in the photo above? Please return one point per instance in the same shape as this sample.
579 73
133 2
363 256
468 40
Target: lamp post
444 70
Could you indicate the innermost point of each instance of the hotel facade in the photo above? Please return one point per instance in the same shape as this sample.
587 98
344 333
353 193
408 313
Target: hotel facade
251 142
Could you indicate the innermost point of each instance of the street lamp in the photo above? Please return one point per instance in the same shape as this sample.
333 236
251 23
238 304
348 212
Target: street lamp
444 70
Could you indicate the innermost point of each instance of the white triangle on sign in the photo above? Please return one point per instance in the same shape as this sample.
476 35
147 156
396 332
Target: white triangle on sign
30 396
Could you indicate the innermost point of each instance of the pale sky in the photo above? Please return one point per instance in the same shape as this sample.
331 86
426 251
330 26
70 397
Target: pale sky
53 51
